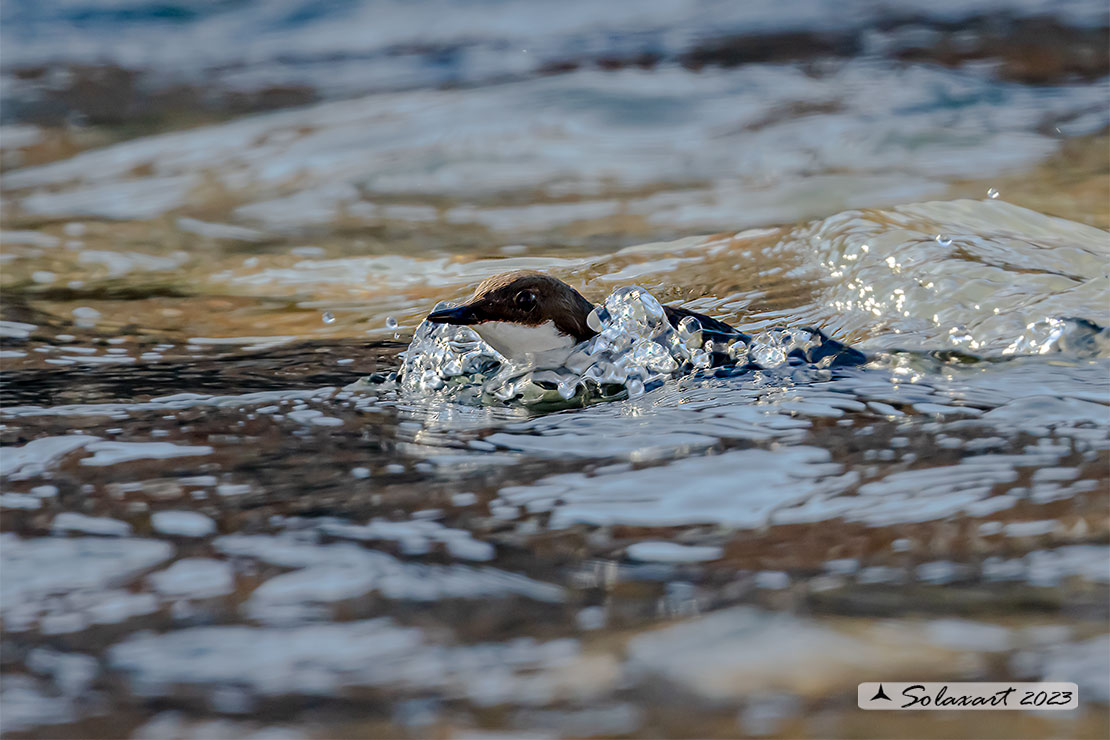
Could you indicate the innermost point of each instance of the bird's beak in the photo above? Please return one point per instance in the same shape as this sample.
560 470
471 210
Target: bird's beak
461 316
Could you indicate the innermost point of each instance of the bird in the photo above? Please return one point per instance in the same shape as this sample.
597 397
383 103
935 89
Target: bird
527 313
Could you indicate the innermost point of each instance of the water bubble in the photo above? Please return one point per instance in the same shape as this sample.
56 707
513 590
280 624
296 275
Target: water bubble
76 120
506 391
642 351
689 332
992 193
800 339
768 356
767 350
567 388
635 347
959 334
612 373
328 317
85 317
652 307
653 356
688 327
390 322
1075 336
944 241
617 337
738 352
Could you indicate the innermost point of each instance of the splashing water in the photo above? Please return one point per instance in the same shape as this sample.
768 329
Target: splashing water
635 351
1076 337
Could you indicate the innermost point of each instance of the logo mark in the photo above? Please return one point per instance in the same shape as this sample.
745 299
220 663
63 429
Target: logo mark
880 694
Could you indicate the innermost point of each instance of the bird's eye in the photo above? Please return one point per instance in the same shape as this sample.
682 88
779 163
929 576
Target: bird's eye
525 300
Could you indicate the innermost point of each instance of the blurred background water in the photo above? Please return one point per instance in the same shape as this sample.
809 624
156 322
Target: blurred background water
218 215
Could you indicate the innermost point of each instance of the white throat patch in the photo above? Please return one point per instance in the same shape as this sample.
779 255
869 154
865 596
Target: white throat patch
516 340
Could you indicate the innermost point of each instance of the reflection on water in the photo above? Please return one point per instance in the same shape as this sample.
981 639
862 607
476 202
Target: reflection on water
253 551
213 528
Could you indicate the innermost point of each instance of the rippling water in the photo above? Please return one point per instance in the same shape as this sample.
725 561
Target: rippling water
284 538
223 518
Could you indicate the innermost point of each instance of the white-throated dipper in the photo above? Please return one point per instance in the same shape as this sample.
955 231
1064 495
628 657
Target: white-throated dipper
525 312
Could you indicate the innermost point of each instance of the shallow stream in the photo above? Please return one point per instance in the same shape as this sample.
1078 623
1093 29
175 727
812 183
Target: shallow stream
214 527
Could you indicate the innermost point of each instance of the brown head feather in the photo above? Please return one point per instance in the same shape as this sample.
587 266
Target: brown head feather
531 298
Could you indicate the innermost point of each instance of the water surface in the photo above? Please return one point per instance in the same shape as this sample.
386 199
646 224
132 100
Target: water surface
208 533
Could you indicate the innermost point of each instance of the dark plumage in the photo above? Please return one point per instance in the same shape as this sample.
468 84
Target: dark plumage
527 298
531 299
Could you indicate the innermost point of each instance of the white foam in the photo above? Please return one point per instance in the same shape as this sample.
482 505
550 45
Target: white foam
739 489
737 652
141 198
19 136
29 238
175 725
73 522
39 454
344 570
194 578
25 703
414 536
20 501
174 402
117 264
321 659
113 453
37 568
228 232
314 417
671 552
1030 529
1086 663
182 523
1049 567
970 636
865 152
72 673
